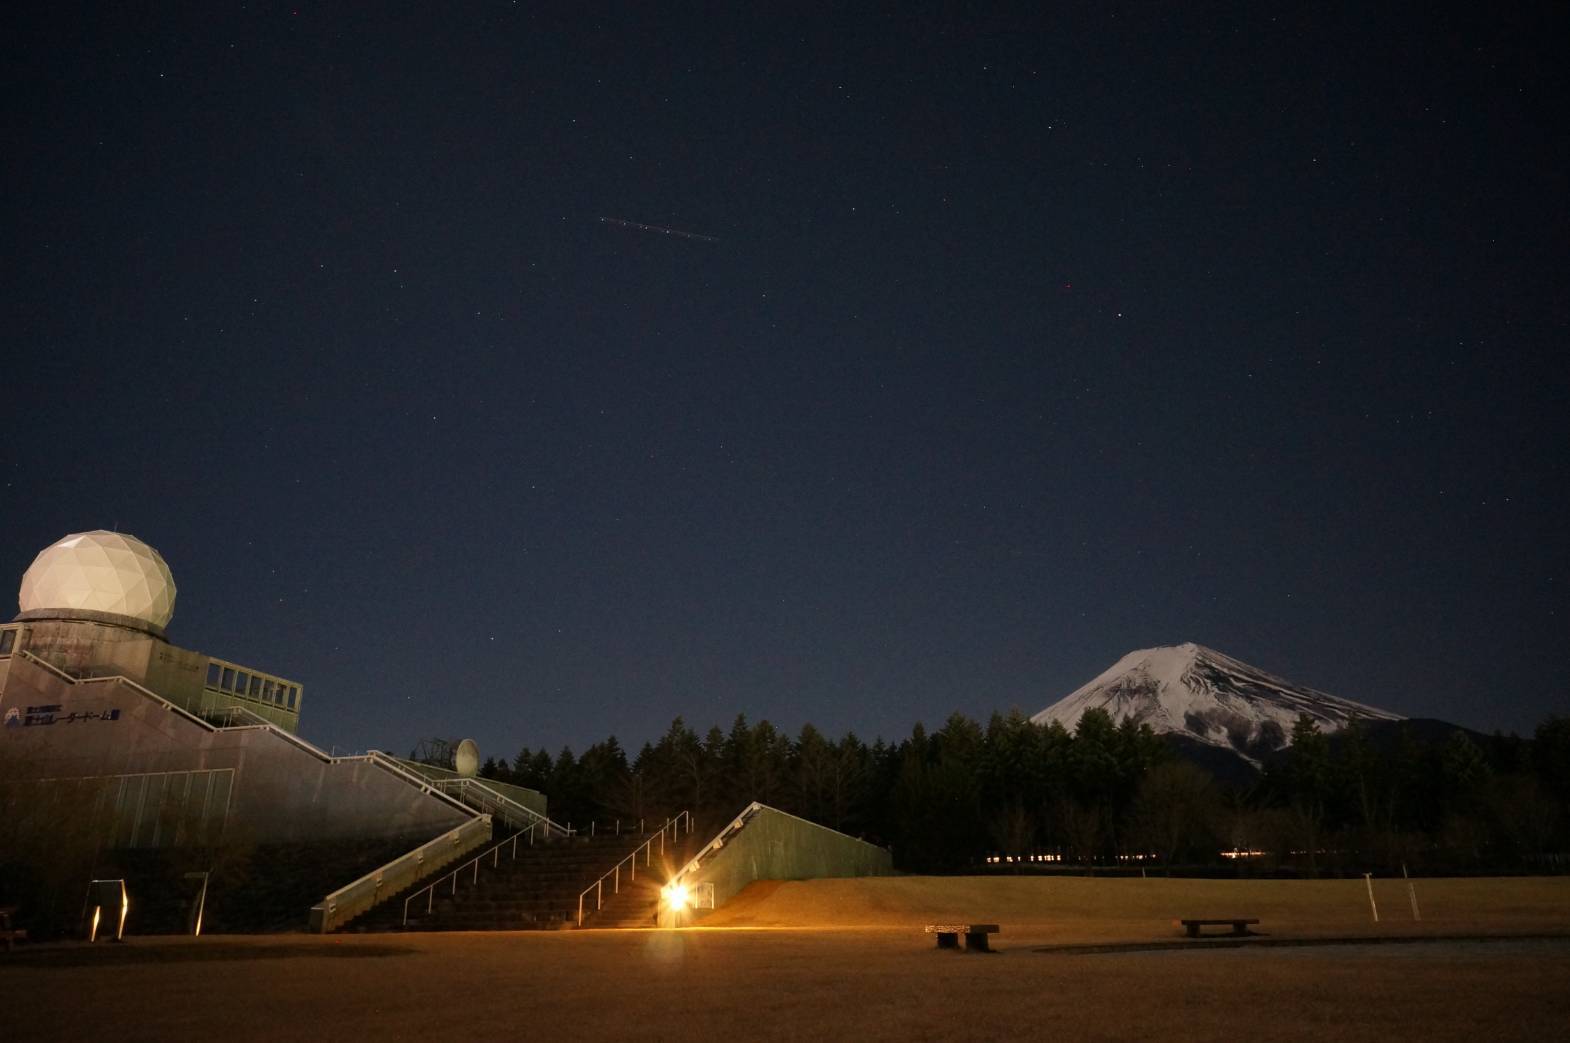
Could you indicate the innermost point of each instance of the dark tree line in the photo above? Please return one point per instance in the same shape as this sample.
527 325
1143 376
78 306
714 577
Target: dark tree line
1101 795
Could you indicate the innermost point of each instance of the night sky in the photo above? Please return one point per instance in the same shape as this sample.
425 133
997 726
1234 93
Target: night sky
1001 344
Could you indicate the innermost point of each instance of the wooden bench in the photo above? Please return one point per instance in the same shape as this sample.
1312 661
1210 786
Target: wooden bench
975 935
1240 925
8 934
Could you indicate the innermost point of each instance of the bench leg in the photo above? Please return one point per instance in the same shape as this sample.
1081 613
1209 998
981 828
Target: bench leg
977 943
948 940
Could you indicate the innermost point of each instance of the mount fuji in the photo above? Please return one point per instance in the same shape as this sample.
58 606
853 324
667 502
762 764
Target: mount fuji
1195 694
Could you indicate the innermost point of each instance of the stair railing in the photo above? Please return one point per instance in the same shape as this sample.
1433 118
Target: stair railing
473 865
476 794
358 897
675 826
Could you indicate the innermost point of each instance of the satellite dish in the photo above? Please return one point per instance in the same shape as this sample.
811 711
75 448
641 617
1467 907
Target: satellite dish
467 759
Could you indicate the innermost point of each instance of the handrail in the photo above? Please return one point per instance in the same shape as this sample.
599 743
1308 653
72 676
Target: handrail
376 757
672 824
429 890
389 763
490 800
72 679
723 836
356 897
260 722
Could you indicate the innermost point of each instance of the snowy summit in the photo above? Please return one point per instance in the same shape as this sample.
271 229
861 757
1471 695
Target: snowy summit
1197 692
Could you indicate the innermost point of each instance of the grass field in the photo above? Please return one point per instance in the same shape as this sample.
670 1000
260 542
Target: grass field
846 960
1087 909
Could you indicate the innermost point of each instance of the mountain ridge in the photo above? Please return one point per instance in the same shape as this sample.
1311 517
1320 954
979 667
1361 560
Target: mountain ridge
1208 697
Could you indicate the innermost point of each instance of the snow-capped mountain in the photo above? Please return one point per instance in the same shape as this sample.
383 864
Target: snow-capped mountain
1193 691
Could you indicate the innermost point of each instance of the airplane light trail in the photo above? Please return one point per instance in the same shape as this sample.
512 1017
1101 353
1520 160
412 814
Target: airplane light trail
657 228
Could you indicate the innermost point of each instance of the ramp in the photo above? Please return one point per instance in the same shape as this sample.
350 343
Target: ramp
764 843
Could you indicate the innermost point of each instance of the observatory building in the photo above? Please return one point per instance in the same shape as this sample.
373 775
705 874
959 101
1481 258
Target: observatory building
181 779
96 604
125 755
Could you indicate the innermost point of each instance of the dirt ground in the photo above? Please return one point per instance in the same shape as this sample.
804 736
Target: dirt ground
833 979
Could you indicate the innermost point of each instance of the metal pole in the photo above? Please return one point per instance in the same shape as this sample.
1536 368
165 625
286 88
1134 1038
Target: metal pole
1411 892
1368 878
617 885
580 910
599 893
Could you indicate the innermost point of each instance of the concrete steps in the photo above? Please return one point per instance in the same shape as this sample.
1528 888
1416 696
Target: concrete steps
538 890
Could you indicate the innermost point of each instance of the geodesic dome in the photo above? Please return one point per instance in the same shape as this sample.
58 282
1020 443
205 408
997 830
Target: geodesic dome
90 574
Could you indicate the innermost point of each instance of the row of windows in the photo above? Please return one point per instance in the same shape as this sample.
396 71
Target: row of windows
252 686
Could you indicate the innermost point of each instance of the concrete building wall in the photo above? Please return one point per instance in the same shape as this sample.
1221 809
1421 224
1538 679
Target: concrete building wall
283 790
193 681
774 845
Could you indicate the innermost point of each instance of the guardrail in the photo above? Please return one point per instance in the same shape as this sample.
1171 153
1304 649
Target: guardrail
672 825
495 856
355 898
728 834
719 840
72 679
476 794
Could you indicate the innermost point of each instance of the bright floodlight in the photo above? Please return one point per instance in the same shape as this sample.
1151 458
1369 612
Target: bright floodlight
675 896
99 572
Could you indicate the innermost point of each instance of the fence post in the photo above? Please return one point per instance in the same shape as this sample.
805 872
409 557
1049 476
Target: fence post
1368 878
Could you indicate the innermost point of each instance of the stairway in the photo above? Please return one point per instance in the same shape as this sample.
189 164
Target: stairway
536 891
638 903
636 906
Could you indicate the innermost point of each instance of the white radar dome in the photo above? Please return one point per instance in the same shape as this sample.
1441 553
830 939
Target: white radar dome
99 575
467 759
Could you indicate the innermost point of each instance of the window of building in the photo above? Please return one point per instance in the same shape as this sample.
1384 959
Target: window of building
256 687
7 641
292 693
228 680
214 675
242 682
